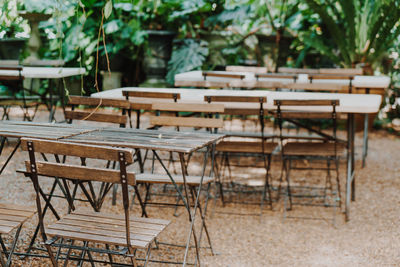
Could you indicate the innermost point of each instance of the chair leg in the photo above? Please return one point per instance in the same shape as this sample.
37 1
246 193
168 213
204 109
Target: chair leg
114 194
148 254
338 182
328 182
288 191
267 188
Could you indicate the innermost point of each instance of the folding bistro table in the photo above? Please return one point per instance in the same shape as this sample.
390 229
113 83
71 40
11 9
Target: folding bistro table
178 142
50 73
350 104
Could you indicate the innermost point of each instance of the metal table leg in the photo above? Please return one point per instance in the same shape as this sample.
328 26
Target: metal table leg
2 143
350 181
365 140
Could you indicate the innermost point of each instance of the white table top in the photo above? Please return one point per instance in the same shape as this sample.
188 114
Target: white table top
349 103
359 81
45 72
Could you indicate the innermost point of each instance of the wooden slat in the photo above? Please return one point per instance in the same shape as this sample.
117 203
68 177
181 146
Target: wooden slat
247 69
312 149
245 147
106 226
133 219
223 75
205 84
277 75
78 150
306 102
21 213
151 94
189 107
331 77
79 172
229 98
153 178
11 78
5 229
341 71
10 67
96 116
317 87
8 206
93 101
115 220
114 233
186 122
9 223
96 238
298 70
305 115
13 218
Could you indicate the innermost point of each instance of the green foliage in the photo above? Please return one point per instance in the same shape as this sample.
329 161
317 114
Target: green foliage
353 31
188 55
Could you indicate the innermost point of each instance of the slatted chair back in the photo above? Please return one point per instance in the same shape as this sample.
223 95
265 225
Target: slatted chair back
159 95
97 116
319 87
154 95
293 109
334 76
242 99
11 67
247 69
206 74
338 71
79 172
209 121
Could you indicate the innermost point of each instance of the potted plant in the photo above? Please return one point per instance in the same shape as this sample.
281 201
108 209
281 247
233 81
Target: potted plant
12 27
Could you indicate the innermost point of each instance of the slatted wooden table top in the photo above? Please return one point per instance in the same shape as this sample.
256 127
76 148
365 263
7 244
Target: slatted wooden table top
184 142
51 131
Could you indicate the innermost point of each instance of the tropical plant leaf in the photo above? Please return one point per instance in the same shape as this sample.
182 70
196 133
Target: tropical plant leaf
189 55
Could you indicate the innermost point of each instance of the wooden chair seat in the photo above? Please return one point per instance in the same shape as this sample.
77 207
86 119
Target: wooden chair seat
12 216
107 228
312 149
245 147
164 179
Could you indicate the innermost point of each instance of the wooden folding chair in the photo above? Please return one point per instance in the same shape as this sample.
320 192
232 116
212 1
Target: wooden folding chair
150 97
97 114
125 233
12 217
328 149
254 144
348 77
182 181
16 84
206 121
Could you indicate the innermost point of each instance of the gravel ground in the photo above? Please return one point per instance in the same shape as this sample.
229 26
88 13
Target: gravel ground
370 238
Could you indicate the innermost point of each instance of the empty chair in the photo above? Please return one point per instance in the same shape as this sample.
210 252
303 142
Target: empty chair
328 149
120 234
254 144
12 217
97 114
15 82
142 100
